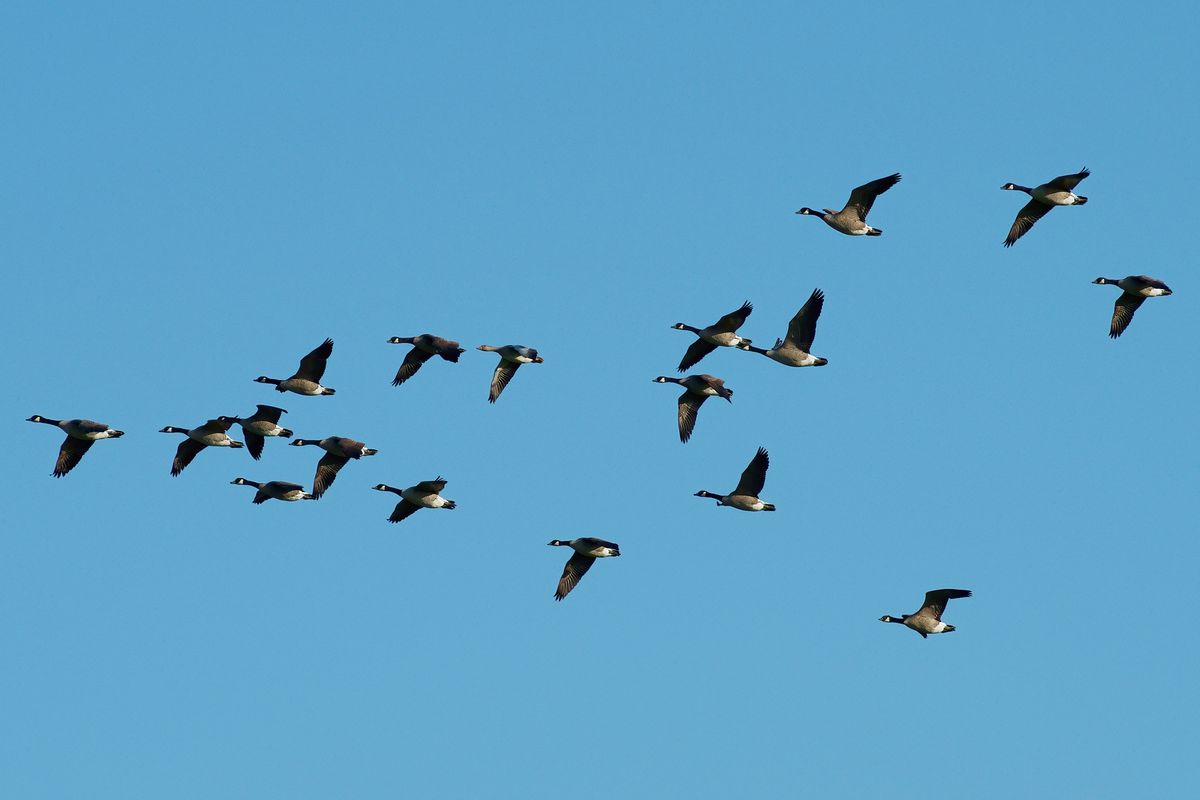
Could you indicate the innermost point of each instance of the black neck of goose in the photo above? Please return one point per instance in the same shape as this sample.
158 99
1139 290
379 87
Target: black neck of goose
302 442
46 420
272 381
752 349
1019 188
174 429
685 327
900 619
668 379
709 494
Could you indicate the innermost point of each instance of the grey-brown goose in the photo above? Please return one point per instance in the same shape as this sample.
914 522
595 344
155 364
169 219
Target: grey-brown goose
264 422
426 494
1045 197
81 433
274 490
307 380
211 434
696 389
511 357
721 333
929 619
587 550
1134 291
852 220
745 496
338 452
425 347
793 349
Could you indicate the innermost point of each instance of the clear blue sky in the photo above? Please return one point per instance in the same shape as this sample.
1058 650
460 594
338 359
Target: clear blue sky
194 197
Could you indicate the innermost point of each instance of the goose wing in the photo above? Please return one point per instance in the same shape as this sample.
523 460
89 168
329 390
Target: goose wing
327 470
936 600
863 197
577 566
312 366
500 378
186 451
734 319
1068 182
69 454
254 444
403 510
689 406
446 348
267 413
1123 313
1031 213
434 486
412 362
754 477
803 327
695 352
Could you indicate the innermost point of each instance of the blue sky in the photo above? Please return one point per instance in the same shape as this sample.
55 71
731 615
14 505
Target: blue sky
195 197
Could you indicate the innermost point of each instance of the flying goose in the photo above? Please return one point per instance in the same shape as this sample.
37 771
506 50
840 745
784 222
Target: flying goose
745 496
587 550
307 380
852 220
511 357
274 490
696 389
721 333
210 434
1045 197
80 435
425 347
338 451
1136 288
793 349
929 619
426 494
264 422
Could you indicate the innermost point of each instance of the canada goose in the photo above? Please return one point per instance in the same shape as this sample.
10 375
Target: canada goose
425 347
1045 197
929 619
274 490
587 550
852 220
1136 288
720 334
793 349
338 451
426 494
210 434
264 422
307 380
745 496
696 389
511 357
80 435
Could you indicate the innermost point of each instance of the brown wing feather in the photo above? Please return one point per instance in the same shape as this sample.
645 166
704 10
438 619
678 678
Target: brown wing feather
863 197
327 470
695 352
803 327
254 444
1068 182
434 486
69 454
1031 213
577 566
734 319
187 450
1123 313
403 510
689 406
754 477
936 599
412 362
312 366
500 378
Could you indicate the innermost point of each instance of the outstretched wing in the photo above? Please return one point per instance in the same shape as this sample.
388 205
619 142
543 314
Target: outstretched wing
267 413
803 327
754 477
500 378
312 366
1123 313
412 362
69 454
936 599
403 510
577 566
734 319
689 406
1031 213
254 444
863 197
434 486
327 470
695 352
187 450
1068 182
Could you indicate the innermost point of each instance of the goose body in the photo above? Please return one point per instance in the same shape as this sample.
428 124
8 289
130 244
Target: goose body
263 423
512 356
338 452
81 434
1134 291
425 347
928 619
426 494
745 496
852 219
307 380
793 350
274 490
1057 192
212 433
587 550
696 389
722 333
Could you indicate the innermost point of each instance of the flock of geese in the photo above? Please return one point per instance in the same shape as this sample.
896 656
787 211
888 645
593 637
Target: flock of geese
794 349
